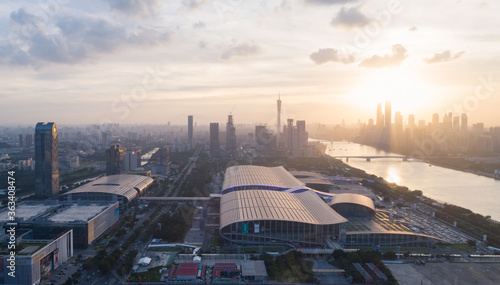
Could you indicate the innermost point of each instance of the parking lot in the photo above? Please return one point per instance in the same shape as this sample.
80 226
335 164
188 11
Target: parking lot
446 273
433 227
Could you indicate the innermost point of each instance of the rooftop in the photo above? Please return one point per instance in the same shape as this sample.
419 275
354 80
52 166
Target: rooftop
304 207
353 199
126 185
54 211
78 212
27 211
243 175
253 268
308 177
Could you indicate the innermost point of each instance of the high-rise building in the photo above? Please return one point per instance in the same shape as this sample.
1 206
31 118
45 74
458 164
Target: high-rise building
115 160
21 142
302 135
448 120
164 155
435 120
230 134
411 121
464 122
421 124
398 122
289 135
132 158
190 131
380 116
388 118
265 142
456 123
28 139
278 123
478 128
46 160
214 139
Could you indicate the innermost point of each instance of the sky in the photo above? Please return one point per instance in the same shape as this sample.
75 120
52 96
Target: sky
153 61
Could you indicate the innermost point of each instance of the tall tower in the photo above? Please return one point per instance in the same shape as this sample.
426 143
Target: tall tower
230 134
388 114
435 120
214 139
278 124
398 122
380 116
464 122
46 160
190 131
411 121
115 160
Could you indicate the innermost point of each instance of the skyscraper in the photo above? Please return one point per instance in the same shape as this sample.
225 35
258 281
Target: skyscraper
302 135
411 121
289 135
464 122
132 160
230 134
214 139
28 139
278 123
380 116
46 160
456 123
190 131
398 122
448 120
265 142
115 160
388 118
21 142
435 120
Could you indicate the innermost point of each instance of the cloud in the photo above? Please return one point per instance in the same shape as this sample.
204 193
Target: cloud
141 8
350 17
285 6
329 2
199 25
193 4
445 56
324 55
72 39
202 44
397 56
241 49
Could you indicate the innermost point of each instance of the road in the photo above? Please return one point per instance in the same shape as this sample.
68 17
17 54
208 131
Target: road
186 171
113 278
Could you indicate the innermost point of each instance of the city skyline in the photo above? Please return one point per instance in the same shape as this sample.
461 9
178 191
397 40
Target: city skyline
157 62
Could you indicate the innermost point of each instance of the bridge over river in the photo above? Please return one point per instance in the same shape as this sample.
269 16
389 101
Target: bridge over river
370 157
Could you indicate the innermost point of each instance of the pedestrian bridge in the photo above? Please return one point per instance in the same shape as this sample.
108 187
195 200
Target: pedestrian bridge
179 199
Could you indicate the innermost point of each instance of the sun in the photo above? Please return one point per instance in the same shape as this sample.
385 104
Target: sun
406 91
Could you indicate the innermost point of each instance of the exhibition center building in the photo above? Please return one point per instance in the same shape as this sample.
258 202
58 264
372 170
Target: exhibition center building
270 206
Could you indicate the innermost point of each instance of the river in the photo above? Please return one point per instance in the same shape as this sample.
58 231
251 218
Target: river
477 193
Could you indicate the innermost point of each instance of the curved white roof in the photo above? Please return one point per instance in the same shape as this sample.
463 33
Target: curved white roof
249 205
122 184
353 199
241 175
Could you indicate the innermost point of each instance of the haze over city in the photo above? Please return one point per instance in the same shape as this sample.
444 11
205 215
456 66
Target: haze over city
134 62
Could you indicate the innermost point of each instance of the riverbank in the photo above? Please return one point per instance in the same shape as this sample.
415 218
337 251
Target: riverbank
463 163
468 190
468 221
445 165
